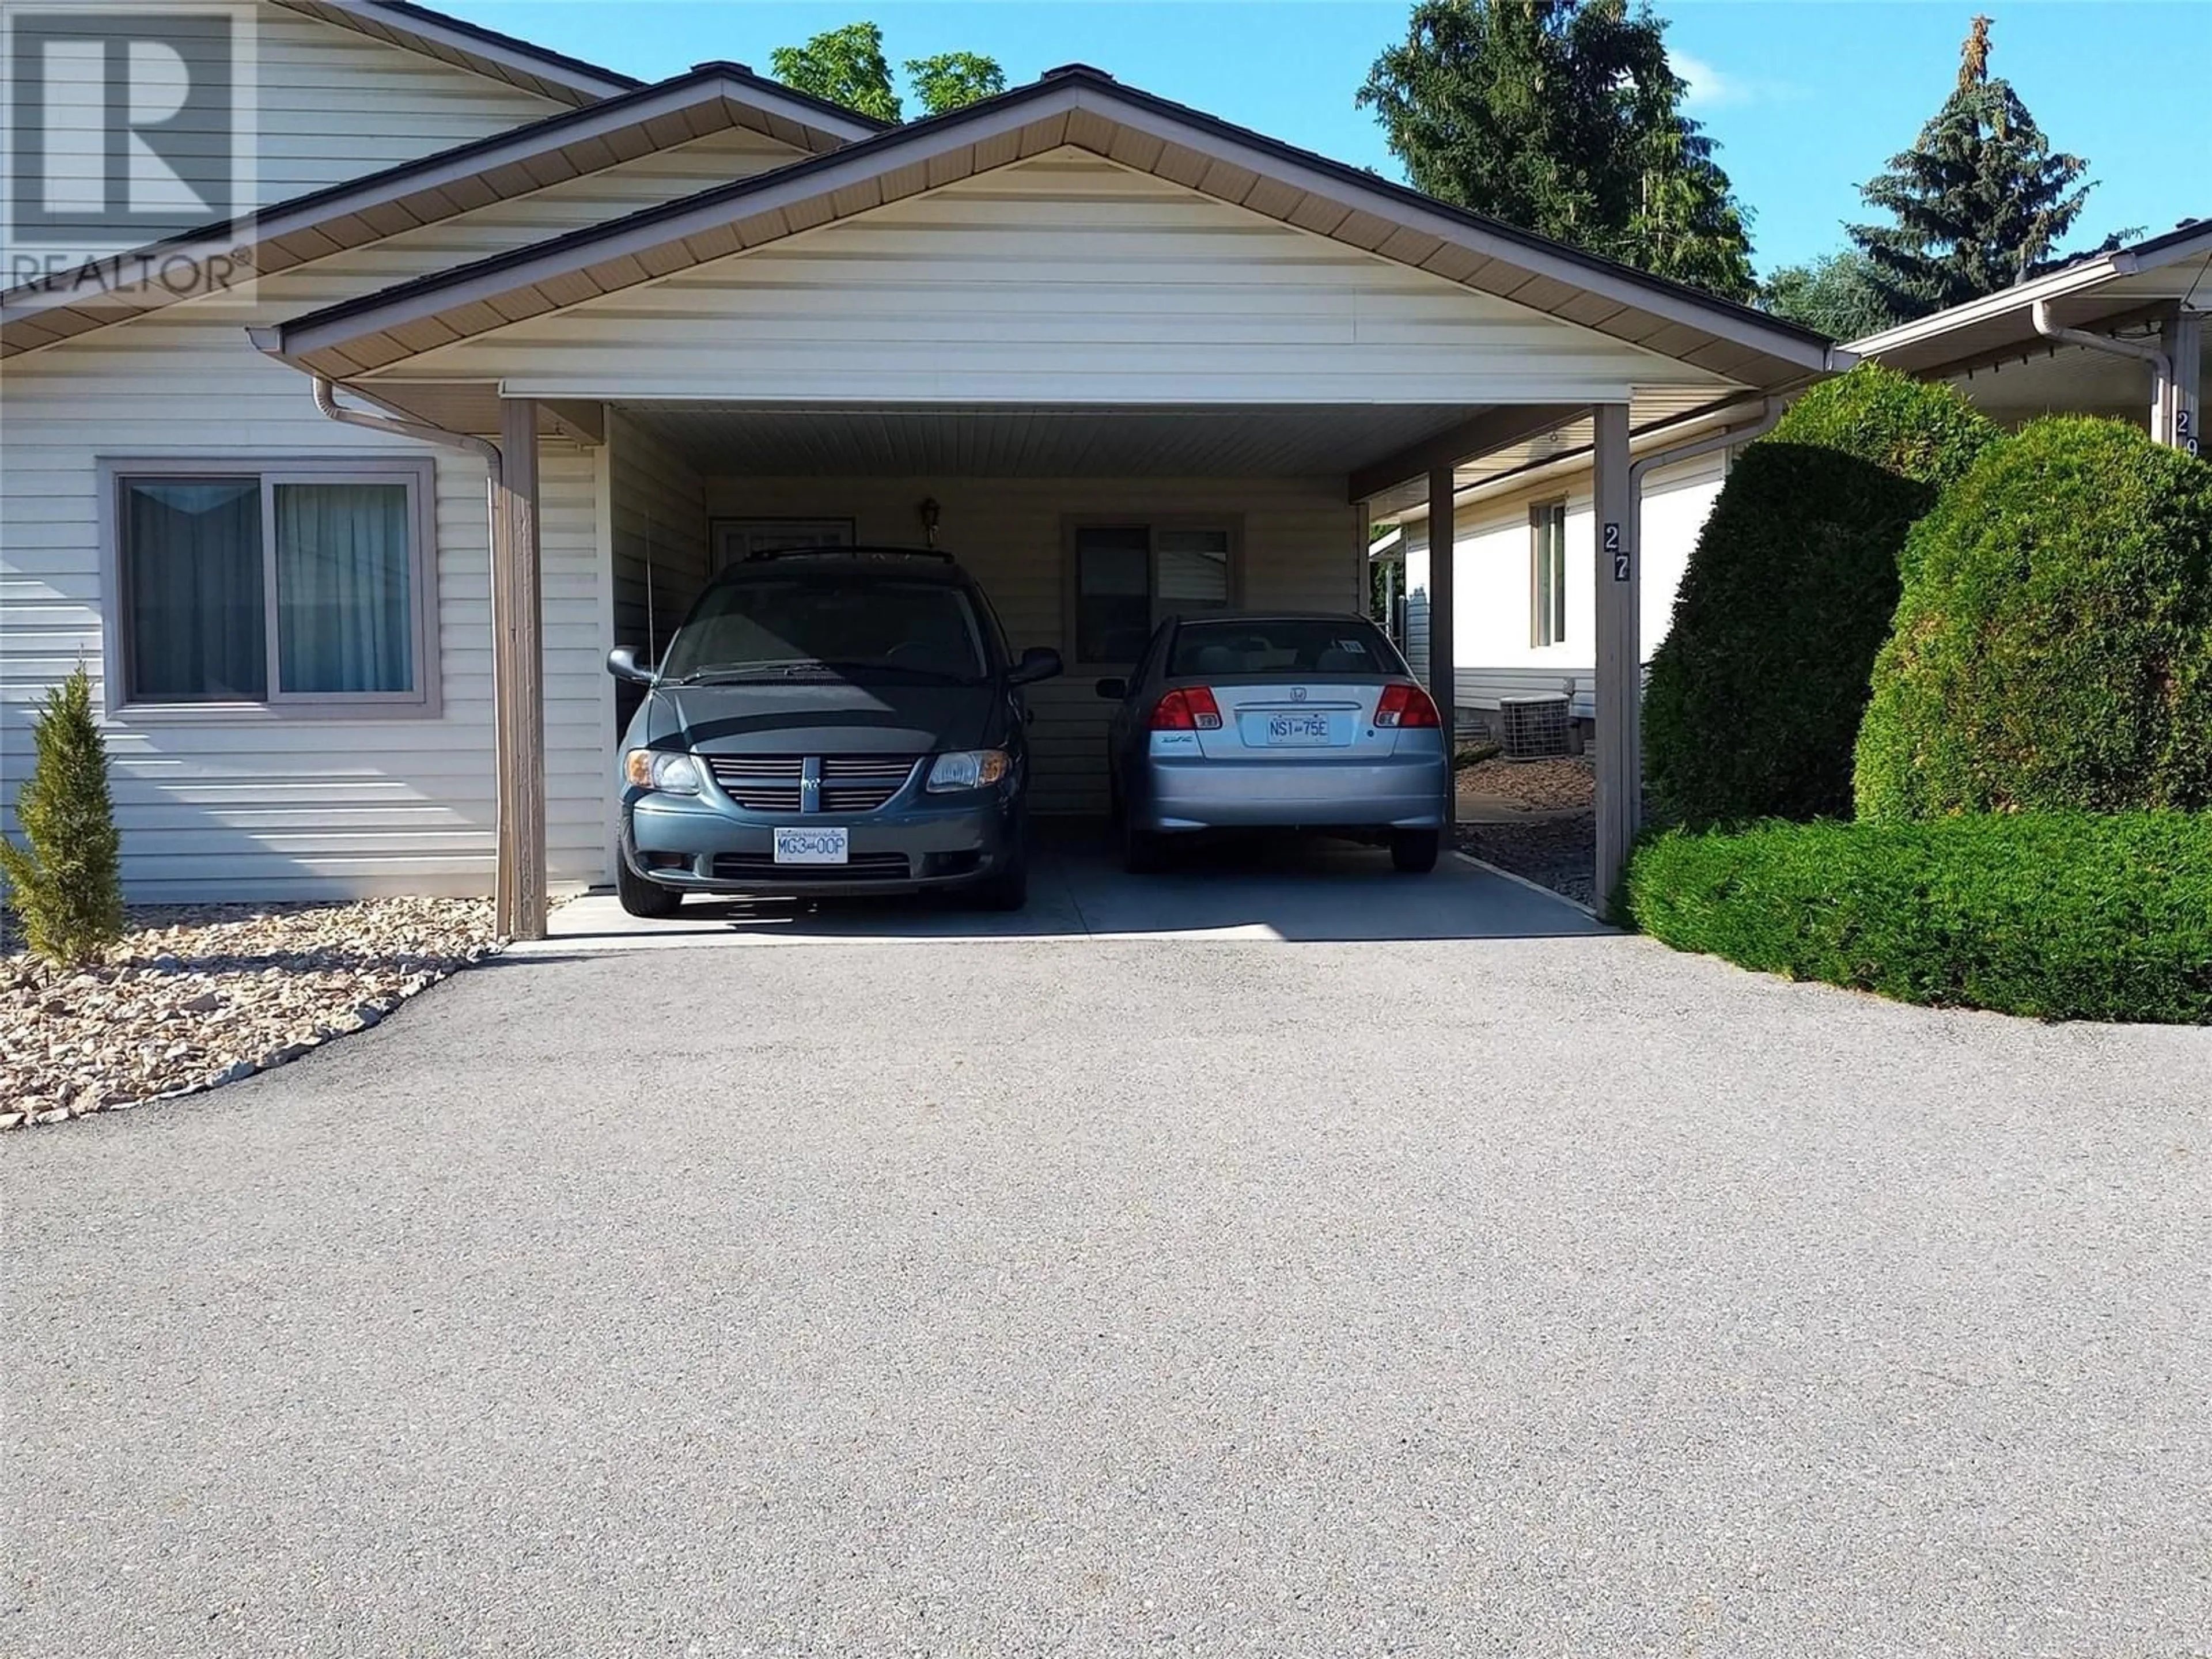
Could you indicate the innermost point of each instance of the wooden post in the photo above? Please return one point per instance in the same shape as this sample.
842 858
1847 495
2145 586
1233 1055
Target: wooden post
1443 663
518 678
1619 580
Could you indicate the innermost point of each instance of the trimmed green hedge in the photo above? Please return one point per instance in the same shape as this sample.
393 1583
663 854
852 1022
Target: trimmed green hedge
1756 692
2058 915
2053 648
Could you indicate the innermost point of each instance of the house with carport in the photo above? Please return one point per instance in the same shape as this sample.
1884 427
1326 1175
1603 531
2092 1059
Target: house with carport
2119 334
531 350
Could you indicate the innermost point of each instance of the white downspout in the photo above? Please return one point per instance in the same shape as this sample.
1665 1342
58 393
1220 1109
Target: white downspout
2161 366
1727 438
326 400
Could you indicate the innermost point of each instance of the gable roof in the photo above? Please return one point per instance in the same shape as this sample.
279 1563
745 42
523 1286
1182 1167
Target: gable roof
711 98
1084 108
471 46
2111 289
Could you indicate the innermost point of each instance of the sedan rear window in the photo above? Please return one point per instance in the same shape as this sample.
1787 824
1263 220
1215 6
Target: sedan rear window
887 630
1308 646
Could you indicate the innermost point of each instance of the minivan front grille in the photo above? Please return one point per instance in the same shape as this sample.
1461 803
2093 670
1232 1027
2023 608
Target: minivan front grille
759 783
862 783
845 783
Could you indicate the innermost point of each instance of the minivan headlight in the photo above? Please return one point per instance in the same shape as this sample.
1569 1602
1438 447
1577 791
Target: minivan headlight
968 768
663 769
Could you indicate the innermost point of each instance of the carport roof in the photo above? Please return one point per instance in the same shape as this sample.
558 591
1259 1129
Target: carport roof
1083 107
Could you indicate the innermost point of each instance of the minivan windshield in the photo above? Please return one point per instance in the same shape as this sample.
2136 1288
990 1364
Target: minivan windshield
1306 646
774 628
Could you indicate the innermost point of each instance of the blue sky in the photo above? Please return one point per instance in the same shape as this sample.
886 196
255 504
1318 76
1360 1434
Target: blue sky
1807 100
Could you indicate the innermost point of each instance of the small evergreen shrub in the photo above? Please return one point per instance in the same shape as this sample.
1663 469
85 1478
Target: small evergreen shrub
2055 915
1755 694
67 887
2053 648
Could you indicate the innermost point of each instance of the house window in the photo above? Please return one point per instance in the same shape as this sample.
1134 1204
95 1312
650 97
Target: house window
737 540
1128 578
294 587
1547 573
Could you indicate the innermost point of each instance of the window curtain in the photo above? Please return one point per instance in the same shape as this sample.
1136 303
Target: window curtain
344 615
1550 584
192 551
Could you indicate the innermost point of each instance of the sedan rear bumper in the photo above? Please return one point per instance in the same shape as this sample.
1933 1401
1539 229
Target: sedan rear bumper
1400 792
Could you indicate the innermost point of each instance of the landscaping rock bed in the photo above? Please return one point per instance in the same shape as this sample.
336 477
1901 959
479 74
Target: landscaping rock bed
1541 786
198 995
1537 819
1558 851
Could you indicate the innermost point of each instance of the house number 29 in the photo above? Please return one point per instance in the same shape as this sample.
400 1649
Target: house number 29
1618 554
2185 432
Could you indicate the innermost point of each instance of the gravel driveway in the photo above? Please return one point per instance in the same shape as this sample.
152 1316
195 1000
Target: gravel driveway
1554 1296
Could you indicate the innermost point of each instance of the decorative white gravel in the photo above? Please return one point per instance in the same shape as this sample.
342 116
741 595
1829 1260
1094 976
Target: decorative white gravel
199 996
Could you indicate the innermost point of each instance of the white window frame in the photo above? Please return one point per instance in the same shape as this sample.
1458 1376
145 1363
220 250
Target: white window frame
1546 629
810 532
1230 526
417 474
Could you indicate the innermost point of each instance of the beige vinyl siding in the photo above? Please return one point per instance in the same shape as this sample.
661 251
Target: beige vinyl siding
292 807
331 104
1300 548
335 105
1064 279
659 516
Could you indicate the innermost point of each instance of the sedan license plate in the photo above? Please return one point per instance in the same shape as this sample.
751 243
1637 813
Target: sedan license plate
811 846
1297 731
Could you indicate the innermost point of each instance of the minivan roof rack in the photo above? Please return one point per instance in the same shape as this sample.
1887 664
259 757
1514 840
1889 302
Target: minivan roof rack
762 555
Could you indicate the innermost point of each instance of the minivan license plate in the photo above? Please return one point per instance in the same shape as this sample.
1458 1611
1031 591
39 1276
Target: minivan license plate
811 846
1294 730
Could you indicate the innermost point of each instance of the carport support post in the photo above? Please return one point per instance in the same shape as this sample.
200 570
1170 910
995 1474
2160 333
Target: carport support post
2176 414
518 678
1618 581
1443 665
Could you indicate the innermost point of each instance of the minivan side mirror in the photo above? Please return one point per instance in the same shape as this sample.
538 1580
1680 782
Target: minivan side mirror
1113 690
1038 663
622 664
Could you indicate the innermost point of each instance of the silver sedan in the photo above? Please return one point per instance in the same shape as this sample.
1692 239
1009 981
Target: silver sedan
1253 720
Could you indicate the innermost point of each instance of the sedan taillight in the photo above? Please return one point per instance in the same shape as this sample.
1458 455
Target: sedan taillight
1404 707
1191 710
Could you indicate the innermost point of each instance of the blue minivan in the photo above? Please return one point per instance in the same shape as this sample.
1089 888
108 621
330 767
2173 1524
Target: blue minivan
843 720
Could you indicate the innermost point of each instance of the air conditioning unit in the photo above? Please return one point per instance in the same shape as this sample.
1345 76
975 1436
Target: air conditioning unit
1534 728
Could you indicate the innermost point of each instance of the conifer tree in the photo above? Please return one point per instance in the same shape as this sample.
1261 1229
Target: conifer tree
1976 205
67 887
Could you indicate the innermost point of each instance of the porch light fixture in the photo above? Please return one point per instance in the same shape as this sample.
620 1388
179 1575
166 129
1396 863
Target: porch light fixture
929 512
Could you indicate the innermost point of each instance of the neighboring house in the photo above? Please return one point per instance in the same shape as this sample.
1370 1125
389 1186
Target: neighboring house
2113 315
1124 350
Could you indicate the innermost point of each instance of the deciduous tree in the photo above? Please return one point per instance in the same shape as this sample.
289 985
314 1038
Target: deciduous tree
847 66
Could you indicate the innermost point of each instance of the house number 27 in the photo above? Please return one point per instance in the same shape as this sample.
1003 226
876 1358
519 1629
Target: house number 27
1616 552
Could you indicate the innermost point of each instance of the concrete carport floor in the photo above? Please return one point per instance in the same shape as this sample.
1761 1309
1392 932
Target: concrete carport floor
1252 887
1545 1293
